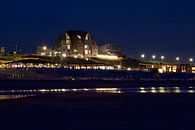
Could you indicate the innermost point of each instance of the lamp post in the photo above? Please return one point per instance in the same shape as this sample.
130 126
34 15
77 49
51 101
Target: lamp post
143 56
162 58
44 48
177 59
191 60
153 57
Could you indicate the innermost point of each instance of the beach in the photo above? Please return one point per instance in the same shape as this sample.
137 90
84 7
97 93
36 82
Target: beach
99 111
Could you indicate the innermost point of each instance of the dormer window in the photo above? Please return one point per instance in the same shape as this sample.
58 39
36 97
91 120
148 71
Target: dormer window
78 36
86 46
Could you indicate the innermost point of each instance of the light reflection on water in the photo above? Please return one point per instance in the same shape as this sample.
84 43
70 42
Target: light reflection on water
13 94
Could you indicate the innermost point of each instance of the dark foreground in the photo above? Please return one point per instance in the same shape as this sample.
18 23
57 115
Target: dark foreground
100 111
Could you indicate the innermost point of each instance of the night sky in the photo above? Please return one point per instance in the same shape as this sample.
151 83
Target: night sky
141 26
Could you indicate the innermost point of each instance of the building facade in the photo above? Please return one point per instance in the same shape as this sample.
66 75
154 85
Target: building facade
110 49
76 44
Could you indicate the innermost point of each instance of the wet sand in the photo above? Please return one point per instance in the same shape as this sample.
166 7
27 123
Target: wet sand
100 111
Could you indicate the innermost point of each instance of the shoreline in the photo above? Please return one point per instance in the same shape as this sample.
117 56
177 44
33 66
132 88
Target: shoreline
83 84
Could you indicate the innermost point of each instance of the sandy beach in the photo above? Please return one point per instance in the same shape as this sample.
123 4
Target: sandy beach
100 111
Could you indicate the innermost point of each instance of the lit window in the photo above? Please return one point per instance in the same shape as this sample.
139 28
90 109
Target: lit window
68 47
68 42
86 46
79 37
86 52
64 55
44 48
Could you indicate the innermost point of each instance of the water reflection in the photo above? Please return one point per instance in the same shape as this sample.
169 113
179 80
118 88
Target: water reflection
12 94
5 97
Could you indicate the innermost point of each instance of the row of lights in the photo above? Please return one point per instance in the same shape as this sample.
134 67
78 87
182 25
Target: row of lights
163 57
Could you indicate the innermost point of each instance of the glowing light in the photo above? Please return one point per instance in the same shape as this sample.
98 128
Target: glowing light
142 56
85 89
43 90
177 90
153 57
108 57
74 90
162 90
160 70
162 57
129 69
107 90
64 55
191 59
75 57
190 91
63 90
177 58
153 90
44 48
78 36
142 90
86 46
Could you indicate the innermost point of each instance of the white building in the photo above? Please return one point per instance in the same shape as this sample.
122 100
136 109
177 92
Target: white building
110 49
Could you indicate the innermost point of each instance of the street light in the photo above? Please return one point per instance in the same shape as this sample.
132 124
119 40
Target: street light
177 59
153 57
44 48
191 60
162 57
142 56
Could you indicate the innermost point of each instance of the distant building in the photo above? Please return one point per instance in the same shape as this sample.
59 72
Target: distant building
2 50
44 50
110 49
76 44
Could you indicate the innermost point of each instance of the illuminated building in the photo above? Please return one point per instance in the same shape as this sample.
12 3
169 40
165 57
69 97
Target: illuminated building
76 44
110 49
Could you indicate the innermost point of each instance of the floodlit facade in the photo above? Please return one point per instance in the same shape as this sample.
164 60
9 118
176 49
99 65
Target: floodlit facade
110 49
76 44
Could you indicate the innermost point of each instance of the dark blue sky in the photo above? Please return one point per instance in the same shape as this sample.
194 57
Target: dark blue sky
141 26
